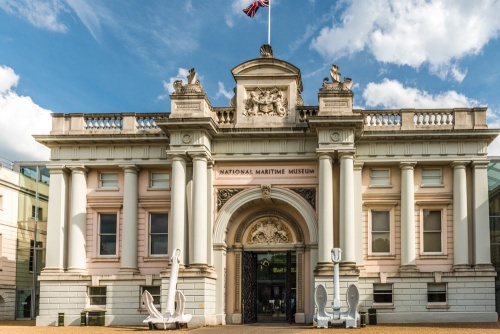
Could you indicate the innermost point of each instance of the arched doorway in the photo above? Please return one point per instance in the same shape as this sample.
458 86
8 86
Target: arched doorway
271 258
237 221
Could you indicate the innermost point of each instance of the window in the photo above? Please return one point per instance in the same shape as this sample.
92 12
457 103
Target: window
431 177
97 295
107 234
382 293
159 180
158 233
155 292
432 237
33 213
108 180
381 231
380 177
32 254
436 292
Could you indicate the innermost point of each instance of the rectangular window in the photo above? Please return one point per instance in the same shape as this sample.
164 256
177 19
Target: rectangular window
108 180
32 254
160 180
381 231
380 177
155 292
432 231
382 293
107 233
158 233
97 295
436 292
431 177
33 213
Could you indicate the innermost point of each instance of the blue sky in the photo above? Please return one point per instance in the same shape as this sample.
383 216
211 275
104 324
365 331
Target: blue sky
100 56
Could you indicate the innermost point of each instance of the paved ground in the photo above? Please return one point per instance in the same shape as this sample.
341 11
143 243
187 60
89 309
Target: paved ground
27 327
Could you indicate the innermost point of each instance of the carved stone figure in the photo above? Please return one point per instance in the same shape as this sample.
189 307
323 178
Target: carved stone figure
336 84
193 85
266 103
269 231
266 191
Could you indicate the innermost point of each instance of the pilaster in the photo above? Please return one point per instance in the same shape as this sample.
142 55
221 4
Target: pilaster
460 226
408 236
129 229
77 258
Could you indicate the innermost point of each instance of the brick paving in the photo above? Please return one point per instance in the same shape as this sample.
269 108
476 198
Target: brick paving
27 327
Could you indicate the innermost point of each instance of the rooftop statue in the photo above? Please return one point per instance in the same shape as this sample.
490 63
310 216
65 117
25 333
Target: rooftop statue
336 84
193 85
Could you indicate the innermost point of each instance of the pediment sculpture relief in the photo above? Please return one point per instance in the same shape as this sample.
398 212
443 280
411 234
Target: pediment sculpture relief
336 84
268 102
269 231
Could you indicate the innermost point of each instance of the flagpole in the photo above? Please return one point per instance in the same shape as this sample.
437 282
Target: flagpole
269 25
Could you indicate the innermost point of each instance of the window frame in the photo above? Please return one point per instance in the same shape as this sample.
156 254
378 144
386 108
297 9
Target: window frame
99 234
110 187
383 293
150 253
445 292
384 206
152 180
158 295
91 295
444 230
31 260
388 177
33 212
431 184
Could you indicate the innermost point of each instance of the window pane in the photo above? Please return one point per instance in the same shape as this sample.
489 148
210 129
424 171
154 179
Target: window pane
109 180
159 223
382 293
160 180
380 221
108 244
432 241
380 177
158 244
436 293
381 242
108 223
431 176
432 220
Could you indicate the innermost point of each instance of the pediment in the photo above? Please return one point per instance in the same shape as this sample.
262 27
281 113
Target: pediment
266 67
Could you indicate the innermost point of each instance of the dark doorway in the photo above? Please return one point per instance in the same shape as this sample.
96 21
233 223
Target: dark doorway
269 286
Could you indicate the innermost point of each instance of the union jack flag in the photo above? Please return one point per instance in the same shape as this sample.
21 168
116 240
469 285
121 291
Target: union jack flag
253 8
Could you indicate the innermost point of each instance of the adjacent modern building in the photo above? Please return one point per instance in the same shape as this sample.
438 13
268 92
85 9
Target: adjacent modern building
255 195
23 221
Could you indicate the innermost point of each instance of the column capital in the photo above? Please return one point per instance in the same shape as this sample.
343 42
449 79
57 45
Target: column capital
358 165
78 169
200 155
177 155
54 169
130 168
459 164
324 154
407 165
346 154
480 164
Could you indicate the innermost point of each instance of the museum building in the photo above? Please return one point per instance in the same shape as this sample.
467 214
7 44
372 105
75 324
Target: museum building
255 195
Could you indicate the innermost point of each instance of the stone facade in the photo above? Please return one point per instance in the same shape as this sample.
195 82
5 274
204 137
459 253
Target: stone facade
402 192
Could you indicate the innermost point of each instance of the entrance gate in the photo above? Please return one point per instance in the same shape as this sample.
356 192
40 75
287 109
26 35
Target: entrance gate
269 286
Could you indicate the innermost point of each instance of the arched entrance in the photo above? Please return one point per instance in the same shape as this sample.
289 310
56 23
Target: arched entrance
271 265
265 249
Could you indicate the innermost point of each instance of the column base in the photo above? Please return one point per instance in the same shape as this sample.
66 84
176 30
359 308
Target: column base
128 271
324 269
76 271
461 267
484 267
408 268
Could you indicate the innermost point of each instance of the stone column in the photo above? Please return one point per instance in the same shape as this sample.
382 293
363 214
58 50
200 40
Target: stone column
408 236
77 260
347 227
460 226
129 219
198 235
177 229
481 215
358 211
56 221
325 209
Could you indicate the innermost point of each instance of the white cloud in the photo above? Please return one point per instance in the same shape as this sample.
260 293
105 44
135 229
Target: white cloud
413 33
223 92
391 94
42 13
90 16
21 118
